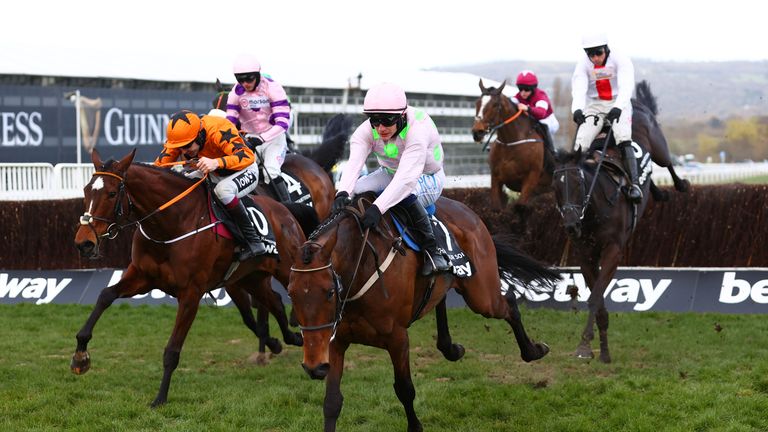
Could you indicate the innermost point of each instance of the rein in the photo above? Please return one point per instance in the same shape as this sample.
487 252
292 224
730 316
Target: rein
492 130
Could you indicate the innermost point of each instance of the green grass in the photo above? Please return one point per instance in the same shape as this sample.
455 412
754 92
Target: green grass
671 372
755 180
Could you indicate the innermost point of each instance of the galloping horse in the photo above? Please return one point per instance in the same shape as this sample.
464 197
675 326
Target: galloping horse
518 157
177 250
336 308
519 160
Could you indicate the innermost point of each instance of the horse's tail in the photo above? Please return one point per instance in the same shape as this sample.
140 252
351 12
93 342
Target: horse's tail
305 215
644 96
335 137
521 269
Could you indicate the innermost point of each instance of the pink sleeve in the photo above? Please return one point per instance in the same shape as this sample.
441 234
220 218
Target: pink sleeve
360 145
281 112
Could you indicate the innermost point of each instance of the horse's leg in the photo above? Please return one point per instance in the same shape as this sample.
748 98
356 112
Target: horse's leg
529 350
241 299
450 350
398 349
681 185
265 296
527 189
584 350
132 283
188 306
333 397
658 194
497 193
608 263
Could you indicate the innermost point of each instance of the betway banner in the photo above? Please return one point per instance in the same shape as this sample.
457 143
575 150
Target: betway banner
39 124
633 289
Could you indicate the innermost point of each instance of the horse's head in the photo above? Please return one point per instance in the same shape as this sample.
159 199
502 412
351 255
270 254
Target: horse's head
570 189
315 289
106 202
491 110
220 100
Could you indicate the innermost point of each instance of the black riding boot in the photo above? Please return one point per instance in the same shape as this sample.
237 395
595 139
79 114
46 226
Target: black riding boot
281 189
635 194
254 244
433 260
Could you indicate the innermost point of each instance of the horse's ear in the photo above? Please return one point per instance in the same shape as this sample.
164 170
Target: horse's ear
126 161
482 87
219 87
96 159
503 83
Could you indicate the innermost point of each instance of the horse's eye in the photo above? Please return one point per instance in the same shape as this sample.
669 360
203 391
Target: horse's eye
329 295
112 194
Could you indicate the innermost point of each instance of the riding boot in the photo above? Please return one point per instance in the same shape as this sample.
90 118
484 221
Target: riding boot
281 189
254 244
635 194
434 261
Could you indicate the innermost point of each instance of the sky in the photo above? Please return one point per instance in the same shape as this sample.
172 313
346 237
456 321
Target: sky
175 40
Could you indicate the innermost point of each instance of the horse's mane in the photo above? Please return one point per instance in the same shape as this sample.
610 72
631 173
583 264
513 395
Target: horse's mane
645 98
335 217
164 170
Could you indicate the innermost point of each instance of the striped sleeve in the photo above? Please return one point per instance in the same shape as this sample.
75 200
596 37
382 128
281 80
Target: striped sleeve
281 112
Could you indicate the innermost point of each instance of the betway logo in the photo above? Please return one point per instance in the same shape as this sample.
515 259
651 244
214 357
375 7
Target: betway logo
737 290
643 292
220 295
42 289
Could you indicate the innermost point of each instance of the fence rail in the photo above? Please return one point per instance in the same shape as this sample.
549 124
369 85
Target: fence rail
41 181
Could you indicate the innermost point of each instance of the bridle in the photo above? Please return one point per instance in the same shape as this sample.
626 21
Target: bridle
491 130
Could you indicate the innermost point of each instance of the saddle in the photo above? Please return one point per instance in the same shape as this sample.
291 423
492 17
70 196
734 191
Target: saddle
446 242
613 163
228 229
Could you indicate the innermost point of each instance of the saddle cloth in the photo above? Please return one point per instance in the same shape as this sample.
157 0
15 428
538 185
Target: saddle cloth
228 229
613 161
298 191
446 242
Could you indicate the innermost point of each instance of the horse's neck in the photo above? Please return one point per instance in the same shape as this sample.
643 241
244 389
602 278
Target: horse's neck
149 189
516 130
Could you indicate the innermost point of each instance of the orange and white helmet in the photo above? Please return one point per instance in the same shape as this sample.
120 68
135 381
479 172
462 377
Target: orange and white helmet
183 128
385 98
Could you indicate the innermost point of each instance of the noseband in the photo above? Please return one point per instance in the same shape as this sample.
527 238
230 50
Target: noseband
113 229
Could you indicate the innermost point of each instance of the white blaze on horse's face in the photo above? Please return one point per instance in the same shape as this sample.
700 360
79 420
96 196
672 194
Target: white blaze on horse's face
483 102
98 183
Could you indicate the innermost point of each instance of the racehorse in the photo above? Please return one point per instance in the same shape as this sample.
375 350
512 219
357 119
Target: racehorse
330 281
519 161
518 157
177 250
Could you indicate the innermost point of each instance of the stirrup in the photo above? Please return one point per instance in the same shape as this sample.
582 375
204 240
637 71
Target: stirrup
432 265
251 250
635 188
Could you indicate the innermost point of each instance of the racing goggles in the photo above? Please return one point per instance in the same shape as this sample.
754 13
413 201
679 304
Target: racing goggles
247 77
385 120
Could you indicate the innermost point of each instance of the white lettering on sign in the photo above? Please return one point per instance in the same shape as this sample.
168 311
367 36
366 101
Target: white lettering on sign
42 289
19 129
134 129
737 290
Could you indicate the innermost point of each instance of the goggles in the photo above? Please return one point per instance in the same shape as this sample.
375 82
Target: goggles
595 52
247 77
527 88
385 120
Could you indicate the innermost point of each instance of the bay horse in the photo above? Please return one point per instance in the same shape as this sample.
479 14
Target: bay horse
518 157
175 250
336 308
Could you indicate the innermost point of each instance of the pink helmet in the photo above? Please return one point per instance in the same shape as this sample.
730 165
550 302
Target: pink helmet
385 98
527 78
246 63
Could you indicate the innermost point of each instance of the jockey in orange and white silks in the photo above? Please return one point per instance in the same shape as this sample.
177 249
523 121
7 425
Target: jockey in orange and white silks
217 149
260 106
602 85
410 154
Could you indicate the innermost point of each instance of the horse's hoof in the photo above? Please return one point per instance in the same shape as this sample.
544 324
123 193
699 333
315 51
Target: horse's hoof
81 362
157 402
454 353
605 357
584 353
259 359
541 350
274 345
294 339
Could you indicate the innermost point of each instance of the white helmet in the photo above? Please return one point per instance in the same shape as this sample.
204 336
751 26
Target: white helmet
592 40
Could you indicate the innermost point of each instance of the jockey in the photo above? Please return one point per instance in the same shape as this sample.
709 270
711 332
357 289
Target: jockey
220 151
531 99
602 86
408 148
260 107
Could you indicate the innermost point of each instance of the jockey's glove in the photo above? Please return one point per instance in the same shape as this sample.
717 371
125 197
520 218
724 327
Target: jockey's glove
371 217
613 115
342 200
253 140
578 117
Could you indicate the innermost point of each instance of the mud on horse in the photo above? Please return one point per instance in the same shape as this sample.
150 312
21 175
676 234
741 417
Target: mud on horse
355 287
518 157
174 250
